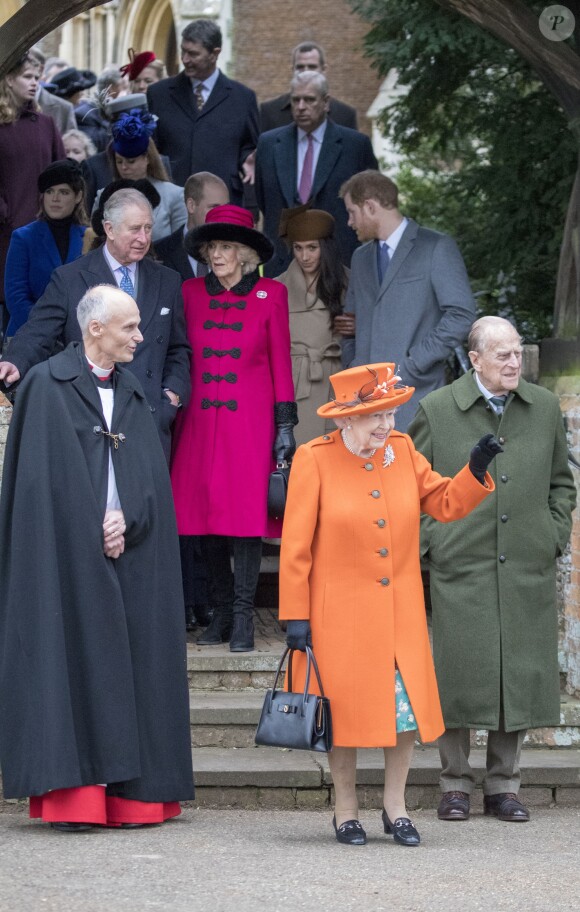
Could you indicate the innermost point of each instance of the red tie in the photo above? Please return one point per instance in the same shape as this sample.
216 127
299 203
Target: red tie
305 185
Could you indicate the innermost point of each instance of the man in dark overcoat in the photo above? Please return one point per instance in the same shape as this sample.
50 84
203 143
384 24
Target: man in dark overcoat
308 161
161 363
94 713
206 122
493 576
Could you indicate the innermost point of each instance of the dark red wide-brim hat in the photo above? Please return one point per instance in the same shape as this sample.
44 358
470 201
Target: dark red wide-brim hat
228 223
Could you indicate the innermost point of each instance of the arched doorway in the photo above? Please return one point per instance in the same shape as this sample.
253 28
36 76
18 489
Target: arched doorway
147 25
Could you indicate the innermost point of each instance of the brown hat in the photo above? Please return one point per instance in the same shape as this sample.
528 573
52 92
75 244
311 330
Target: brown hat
304 224
366 389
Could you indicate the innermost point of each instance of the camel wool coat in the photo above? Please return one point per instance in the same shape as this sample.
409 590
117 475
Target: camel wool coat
349 563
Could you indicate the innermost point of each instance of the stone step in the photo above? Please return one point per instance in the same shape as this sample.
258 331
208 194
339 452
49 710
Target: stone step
269 777
229 718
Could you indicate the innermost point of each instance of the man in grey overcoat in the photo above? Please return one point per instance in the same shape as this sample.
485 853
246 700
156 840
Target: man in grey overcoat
408 290
493 575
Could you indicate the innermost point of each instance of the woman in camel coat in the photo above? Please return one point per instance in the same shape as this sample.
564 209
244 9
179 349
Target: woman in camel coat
316 281
350 581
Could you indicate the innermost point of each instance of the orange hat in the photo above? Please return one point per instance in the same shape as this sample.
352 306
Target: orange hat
366 389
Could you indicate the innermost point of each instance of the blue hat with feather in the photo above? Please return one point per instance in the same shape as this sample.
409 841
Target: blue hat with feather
132 132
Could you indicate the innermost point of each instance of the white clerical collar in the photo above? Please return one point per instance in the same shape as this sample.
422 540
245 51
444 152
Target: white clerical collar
317 135
103 373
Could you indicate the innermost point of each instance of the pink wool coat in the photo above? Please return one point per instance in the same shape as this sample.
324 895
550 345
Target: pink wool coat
240 366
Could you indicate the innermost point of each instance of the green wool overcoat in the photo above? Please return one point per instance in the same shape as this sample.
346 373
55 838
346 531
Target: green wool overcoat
493 574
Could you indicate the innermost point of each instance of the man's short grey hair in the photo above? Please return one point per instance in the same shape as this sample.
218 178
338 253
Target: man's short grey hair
485 329
119 202
95 304
310 77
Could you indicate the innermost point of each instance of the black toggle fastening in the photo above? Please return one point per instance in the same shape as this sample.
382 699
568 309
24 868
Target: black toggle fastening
211 324
229 377
220 353
231 404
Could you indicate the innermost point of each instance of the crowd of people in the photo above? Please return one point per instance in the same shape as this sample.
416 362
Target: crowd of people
246 294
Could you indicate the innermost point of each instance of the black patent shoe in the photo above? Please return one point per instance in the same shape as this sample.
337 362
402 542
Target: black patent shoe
64 827
402 830
350 832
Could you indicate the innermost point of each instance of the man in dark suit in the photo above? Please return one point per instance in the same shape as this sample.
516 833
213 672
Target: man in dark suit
308 161
202 192
207 122
277 112
161 362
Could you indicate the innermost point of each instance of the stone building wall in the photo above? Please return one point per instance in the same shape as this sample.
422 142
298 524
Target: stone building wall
265 33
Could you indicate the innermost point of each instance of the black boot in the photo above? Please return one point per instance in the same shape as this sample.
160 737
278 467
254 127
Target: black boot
221 590
219 630
247 560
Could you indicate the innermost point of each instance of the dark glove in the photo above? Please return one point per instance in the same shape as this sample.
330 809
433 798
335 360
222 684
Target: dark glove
285 417
482 454
298 635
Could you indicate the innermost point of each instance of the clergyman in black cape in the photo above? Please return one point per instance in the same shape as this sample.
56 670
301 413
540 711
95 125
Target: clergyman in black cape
94 714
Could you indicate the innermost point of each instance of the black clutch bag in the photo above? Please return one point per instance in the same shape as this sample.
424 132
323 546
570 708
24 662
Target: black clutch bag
301 721
277 490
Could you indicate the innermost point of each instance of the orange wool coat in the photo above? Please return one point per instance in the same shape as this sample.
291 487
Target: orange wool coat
350 563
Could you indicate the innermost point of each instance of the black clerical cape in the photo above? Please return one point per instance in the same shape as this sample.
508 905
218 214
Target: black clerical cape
93 685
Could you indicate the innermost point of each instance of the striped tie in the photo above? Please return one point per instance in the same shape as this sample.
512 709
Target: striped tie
498 403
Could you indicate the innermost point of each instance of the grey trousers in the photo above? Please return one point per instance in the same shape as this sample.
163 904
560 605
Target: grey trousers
502 761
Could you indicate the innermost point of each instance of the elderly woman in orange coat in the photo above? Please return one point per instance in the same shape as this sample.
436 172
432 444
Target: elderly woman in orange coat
350 582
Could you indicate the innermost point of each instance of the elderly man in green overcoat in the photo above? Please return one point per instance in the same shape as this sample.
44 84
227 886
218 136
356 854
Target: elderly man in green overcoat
493 574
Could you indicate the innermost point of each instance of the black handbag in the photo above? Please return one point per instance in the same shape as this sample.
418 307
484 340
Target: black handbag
301 721
277 490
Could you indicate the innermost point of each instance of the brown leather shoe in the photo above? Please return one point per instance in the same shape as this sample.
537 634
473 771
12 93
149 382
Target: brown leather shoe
505 806
453 806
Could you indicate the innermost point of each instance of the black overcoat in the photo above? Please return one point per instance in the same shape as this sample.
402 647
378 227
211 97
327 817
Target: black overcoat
93 685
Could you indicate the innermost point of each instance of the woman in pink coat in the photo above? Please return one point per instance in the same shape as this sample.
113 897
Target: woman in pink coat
240 418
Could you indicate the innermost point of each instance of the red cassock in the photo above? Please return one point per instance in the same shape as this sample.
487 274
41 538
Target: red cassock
240 367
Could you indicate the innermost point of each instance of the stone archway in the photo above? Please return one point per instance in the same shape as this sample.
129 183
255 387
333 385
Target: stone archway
8 8
148 25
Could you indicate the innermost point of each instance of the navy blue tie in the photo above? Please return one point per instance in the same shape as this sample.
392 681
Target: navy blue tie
383 260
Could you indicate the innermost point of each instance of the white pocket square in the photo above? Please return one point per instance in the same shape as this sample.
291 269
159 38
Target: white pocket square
164 311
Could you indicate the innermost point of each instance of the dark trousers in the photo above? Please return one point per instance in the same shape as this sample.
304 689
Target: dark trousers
233 591
193 572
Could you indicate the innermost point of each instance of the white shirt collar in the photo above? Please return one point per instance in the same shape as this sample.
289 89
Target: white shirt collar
114 264
393 239
484 391
209 82
317 135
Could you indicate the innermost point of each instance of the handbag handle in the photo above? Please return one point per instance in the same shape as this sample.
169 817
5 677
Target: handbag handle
310 661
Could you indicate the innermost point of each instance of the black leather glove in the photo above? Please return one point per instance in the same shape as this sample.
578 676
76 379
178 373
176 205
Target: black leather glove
482 454
298 635
285 417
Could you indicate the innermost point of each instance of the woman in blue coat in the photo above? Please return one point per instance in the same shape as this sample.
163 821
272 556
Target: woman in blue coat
54 238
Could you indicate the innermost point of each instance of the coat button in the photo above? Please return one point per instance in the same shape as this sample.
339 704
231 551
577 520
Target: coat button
381 523
504 478
148 373
501 439
369 466
326 437
375 494
159 339
502 558
504 517
151 408
383 552
385 581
